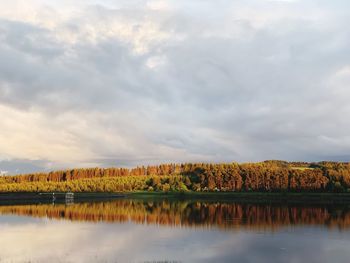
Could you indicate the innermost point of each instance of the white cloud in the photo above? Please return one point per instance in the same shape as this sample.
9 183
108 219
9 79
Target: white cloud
3 172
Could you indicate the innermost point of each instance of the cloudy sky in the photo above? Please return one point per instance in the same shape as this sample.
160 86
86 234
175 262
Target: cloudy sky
124 82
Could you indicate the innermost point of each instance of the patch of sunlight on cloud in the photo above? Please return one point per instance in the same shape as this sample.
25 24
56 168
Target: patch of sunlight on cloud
155 62
159 5
33 135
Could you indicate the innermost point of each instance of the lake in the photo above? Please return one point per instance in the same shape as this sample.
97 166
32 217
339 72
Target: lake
160 230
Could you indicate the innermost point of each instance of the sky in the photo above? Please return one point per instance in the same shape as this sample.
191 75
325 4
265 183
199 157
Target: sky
89 83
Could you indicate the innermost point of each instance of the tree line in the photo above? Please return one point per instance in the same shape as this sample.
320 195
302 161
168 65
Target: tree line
268 176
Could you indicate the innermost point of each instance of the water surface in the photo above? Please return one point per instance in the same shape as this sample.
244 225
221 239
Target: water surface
130 230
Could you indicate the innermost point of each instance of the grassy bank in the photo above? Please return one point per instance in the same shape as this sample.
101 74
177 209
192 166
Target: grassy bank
240 197
249 197
33 198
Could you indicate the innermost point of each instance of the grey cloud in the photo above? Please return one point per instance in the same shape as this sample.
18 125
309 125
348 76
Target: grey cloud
29 39
17 166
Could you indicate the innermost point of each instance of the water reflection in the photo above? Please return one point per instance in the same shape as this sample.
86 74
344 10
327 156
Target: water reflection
173 231
190 214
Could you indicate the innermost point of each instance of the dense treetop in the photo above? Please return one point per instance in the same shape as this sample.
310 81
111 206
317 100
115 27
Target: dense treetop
268 176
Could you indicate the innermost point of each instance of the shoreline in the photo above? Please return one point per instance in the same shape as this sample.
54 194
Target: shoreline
45 198
251 197
241 197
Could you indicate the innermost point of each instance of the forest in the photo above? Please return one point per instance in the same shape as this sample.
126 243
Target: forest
267 176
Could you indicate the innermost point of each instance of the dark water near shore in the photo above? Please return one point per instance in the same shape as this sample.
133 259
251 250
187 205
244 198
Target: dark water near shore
129 230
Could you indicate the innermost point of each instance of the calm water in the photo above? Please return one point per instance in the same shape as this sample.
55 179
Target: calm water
174 231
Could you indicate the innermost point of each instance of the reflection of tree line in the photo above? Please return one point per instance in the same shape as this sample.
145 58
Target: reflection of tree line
225 215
